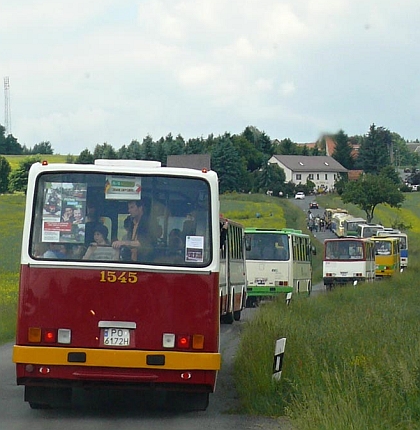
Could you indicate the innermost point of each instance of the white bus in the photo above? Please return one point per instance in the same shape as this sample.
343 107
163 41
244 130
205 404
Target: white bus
348 260
403 243
350 226
277 261
337 223
368 230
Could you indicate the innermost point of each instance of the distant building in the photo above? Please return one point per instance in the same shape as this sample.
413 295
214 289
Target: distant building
193 161
323 171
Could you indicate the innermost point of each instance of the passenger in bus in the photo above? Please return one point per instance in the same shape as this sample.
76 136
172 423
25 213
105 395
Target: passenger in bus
280 252
92 218
56 250
100 249
141 232
355 252
175 241
224 225
189 226
384 248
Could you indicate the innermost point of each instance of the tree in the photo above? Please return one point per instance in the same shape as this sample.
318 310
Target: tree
42 148
194 146
147 148
271 177
5 170
390 173
343 150
226 161
18 180
286 147
375 150
105 151
371 190
259 139
9 145
85 157
247 151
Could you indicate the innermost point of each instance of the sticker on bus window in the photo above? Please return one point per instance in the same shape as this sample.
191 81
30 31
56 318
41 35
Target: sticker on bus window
122 188
194 249
63 212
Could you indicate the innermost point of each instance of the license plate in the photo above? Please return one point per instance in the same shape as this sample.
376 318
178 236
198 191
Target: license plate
260 281
116 336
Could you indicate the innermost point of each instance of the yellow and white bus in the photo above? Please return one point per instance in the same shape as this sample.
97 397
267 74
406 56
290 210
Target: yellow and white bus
387 255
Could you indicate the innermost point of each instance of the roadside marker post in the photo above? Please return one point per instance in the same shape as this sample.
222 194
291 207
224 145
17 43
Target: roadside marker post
278 358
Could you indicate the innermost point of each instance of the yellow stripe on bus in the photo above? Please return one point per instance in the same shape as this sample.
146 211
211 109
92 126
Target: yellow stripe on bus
116 358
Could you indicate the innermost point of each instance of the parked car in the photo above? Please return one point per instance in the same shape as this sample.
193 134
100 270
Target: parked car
300 195
313 205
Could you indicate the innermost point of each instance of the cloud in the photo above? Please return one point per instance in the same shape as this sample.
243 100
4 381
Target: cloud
83 73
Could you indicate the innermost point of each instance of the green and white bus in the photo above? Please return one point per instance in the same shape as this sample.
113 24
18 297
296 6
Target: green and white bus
277 261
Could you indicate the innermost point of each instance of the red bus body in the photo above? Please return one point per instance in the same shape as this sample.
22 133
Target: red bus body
150 325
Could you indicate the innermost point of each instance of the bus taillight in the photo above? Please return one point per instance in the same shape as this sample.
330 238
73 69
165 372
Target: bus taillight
198 341
38 335
183 342
34 334
50 336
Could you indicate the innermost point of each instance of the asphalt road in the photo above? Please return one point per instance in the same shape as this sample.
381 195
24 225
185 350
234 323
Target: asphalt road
320 235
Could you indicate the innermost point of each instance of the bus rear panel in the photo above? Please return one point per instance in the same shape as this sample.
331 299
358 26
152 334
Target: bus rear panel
147 320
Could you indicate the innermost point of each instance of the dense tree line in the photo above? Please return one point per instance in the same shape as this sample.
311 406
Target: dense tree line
239 159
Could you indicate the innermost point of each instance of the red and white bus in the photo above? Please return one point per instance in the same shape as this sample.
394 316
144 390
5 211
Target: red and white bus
147 320
348 260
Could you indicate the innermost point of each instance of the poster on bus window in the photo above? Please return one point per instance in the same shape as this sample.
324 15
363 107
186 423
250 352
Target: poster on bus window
194 249
122 187
63 216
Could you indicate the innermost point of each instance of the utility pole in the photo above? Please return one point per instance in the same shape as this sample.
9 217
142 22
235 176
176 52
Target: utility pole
7 114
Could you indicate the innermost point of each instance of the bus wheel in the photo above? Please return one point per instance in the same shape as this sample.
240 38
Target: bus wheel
47 397
251 302
237 315
39 405
227 319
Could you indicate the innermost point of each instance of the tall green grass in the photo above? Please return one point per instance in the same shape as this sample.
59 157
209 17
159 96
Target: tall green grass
352 356
11 224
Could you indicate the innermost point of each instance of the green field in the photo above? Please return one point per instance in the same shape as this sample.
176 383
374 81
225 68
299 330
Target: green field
11 224
14 160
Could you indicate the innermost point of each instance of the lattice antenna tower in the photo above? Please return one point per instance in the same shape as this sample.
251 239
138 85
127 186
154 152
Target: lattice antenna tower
7 113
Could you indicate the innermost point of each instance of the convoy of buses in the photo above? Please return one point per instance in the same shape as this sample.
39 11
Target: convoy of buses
362 251
142 311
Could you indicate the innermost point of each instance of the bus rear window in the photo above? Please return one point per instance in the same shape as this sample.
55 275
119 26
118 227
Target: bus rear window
131 219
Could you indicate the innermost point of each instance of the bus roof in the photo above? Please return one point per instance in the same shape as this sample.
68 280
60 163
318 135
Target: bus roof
349 239
272 230
356 219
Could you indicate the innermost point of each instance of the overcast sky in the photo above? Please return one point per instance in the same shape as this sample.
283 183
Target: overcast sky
85 72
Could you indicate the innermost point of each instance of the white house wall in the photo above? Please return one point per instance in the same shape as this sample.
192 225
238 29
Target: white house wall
321 182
